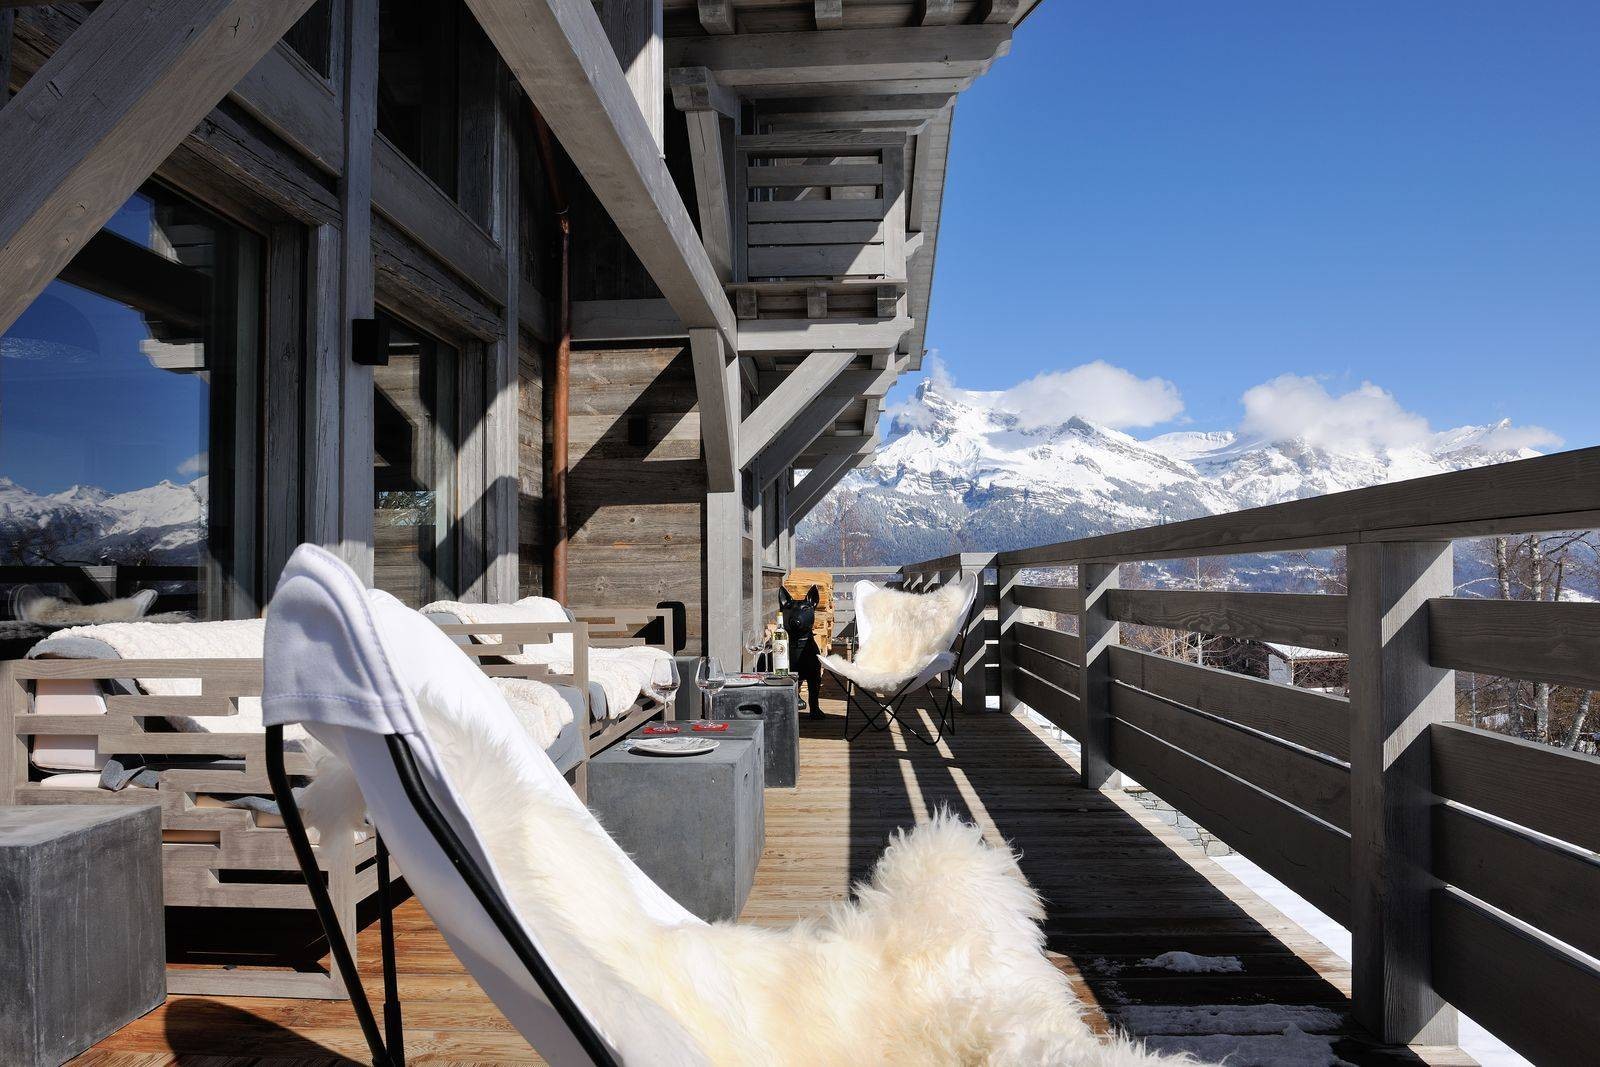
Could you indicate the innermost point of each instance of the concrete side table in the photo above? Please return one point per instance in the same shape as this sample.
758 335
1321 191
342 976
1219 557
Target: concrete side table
82 937
694 824
777 707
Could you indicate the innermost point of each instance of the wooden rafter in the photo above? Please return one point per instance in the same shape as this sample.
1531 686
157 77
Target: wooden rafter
786 402
829 471
103 112
817 418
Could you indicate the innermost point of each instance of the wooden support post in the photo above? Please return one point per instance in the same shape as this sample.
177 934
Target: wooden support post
1395 694
973 671
504 458
356 283
724 576
1098 632
1006 579
716 382
104 111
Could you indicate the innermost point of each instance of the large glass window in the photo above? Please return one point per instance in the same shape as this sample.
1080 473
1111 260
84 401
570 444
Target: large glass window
419 83
126 393
414 406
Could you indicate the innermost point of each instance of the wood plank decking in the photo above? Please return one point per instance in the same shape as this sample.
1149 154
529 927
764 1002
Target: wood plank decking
1121 888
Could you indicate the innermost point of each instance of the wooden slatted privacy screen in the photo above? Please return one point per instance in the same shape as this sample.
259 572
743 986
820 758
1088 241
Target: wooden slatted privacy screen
1464 862
827 205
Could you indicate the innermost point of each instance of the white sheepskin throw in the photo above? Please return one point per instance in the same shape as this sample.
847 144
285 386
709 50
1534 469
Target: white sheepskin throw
54 611
623 674
537 706
231 639
902 634
938 961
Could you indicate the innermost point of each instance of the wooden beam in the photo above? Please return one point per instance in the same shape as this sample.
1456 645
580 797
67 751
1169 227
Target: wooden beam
805 428
936 12
820 480
707 138
1554 492
716 16
696 89
829 14
625 320
716 381
785 403
846 109
560 54
821 335
103 112
634 29
1396 695
1312 620
998 12
827 444
1528 639
843 56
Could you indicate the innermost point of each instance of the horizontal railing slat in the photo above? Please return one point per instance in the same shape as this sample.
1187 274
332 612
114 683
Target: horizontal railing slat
1309 856
798 175
1531 639
1317 721
1056 705
1556 492
1311 620
1060 645
1064 600
812 210
1059 673
1548 790
1535 997
1548 886
1309 782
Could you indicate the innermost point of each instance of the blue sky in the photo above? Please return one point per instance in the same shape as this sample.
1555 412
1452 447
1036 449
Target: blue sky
1218 193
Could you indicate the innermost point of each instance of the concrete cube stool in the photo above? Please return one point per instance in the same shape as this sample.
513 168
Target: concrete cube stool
694 824
778 709
83 947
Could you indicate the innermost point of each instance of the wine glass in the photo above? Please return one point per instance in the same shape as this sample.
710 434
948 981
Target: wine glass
664 682
757 647
710 678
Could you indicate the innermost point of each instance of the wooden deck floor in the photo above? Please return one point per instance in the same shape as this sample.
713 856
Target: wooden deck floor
1121 888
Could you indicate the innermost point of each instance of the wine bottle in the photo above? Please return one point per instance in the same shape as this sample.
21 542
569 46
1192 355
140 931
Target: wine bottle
780 649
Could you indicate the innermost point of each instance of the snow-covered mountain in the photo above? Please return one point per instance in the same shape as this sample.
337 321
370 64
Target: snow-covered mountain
958 472
161 523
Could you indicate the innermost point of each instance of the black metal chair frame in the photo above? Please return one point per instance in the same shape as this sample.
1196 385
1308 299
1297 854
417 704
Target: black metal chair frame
388 1049
878 712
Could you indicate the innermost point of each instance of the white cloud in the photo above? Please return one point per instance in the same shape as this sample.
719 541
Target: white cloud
1365 419
195 464
1103 394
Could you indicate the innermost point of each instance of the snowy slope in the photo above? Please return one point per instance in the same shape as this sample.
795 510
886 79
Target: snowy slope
162 523
959 472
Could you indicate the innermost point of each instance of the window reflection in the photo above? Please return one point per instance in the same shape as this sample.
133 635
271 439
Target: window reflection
119 416
414 402
419 84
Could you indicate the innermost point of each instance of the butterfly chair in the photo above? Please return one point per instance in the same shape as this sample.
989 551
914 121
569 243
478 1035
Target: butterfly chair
908 644
944 942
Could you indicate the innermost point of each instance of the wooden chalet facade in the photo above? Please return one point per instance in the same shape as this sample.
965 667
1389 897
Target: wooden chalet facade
295 272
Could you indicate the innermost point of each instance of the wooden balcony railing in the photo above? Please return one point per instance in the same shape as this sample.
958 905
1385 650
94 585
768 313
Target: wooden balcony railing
1463 862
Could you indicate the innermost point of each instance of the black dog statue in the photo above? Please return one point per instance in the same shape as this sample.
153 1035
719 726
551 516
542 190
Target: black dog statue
805 663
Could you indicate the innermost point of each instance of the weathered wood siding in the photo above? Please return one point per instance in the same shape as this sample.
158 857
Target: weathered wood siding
637 484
